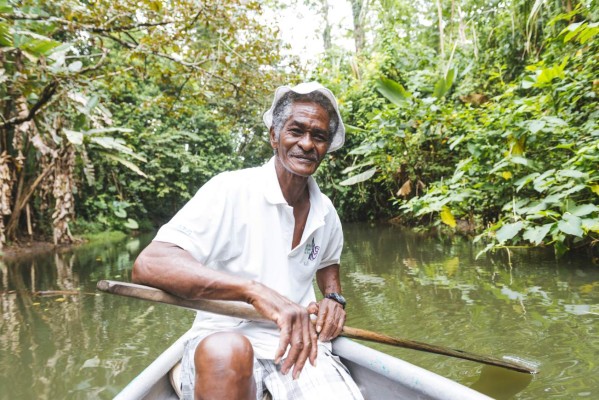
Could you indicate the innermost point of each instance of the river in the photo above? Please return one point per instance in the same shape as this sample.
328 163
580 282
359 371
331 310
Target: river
81 344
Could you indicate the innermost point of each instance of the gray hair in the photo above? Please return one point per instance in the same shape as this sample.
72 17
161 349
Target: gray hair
282 110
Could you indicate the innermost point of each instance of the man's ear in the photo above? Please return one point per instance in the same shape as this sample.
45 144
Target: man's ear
273 141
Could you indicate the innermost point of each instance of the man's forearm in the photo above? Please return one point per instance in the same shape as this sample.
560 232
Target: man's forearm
328 279
172 269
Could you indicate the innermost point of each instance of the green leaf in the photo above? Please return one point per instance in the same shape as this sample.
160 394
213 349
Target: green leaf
571 225
74 137
353 129
125 162
525 180
536 125
115 144
584 209
108 130
131 224
359 178
449 77
119 212
508 231
589 224
440 88
355 167
393 91
5 35
5 7
572 173
536 234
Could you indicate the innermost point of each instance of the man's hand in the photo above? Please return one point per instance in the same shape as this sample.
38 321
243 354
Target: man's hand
296 328
330 320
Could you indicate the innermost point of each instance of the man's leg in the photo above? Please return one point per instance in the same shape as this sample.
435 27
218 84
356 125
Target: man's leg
224 368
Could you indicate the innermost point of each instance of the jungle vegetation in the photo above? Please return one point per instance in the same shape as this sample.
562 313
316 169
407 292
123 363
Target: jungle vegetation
472 116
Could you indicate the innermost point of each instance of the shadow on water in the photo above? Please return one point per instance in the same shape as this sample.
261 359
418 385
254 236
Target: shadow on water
501 383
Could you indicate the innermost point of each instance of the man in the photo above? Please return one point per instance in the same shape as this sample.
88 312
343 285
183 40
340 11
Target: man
260 235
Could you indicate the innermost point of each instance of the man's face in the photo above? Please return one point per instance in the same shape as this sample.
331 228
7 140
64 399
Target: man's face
304 139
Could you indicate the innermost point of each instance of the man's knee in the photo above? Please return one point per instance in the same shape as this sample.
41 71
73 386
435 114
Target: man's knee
225 352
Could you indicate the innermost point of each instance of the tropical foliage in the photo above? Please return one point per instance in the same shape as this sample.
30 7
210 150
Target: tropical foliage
106 105
466 115
490 123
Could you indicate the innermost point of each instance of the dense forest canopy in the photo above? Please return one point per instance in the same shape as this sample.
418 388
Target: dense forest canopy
469 115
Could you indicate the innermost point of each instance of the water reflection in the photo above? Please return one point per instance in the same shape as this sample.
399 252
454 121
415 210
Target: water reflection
435 290
81 344
60 339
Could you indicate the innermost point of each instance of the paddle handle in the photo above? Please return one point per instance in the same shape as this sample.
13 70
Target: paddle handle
245 311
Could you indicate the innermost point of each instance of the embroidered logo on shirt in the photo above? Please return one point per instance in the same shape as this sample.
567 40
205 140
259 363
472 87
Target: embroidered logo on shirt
312 250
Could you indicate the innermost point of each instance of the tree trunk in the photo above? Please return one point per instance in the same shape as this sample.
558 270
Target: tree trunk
359 8
326 33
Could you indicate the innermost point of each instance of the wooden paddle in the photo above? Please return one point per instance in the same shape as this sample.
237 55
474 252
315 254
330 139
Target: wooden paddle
246 311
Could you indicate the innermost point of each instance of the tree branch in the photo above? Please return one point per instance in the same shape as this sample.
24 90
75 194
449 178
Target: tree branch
87 27
195 65
46 95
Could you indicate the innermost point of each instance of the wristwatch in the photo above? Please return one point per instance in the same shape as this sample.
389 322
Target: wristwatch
336 297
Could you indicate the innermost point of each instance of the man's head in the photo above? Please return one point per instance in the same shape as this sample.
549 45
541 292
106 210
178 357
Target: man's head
310 92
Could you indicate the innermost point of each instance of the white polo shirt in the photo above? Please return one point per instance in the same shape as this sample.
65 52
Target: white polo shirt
240 223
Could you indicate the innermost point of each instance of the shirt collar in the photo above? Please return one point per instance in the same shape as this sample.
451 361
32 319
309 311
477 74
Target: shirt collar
274 194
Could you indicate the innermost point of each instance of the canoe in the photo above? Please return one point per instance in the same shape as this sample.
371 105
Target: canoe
378 375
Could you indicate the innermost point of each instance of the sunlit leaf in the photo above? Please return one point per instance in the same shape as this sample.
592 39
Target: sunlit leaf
536 125
5 35
393 91
536 234
584 209
590 224
572 173
74 137
355 167
131 224
125 162
508 231
447 217
571 225
364 176
119 212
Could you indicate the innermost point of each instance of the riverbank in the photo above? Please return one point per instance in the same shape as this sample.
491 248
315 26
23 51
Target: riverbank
35 248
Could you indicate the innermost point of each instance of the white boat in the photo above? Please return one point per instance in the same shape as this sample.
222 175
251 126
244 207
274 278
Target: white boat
378 375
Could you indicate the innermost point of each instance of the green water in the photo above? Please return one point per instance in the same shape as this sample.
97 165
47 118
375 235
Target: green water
89 345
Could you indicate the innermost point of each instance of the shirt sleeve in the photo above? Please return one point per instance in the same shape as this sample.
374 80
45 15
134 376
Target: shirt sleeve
204 226
334 246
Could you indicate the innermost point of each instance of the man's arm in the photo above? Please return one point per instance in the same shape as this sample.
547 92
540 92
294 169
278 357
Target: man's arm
331 315
173 269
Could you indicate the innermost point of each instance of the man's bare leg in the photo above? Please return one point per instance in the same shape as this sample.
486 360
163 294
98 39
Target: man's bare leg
224 364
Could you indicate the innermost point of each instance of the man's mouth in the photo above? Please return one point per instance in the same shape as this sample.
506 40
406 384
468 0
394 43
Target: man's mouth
304 157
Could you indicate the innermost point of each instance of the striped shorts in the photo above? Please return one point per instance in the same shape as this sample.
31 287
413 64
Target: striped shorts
330 379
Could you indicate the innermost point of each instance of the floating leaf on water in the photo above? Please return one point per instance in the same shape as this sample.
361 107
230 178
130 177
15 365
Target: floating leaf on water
60 299
36 304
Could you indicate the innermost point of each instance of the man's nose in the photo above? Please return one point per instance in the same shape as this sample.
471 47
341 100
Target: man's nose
306 142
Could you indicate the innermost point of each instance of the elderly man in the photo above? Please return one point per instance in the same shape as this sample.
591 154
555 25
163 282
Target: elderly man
260 235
